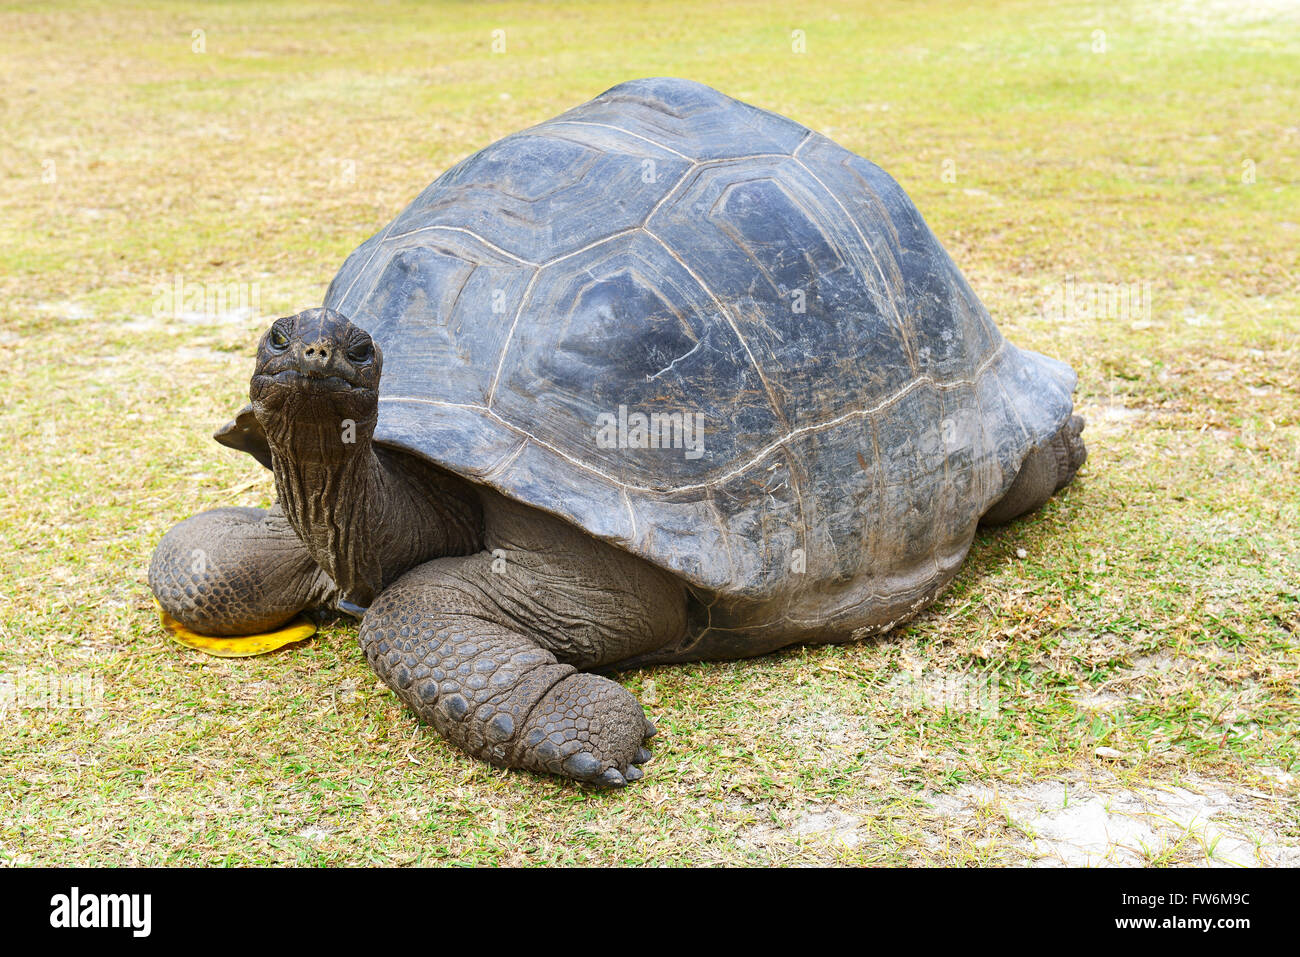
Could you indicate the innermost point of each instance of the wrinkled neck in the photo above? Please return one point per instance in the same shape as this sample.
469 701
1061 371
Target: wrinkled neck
368 514
328 489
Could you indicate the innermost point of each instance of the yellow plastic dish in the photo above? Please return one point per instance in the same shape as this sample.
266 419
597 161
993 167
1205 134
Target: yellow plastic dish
240 646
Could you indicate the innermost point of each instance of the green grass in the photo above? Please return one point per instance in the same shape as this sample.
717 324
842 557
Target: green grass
1154 611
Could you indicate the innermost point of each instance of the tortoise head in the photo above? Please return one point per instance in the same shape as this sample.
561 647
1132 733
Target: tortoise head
315 369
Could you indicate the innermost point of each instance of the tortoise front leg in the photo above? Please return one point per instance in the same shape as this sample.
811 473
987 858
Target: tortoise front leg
236 571
490 657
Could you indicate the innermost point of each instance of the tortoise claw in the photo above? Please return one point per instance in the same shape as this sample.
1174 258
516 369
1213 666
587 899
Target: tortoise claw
584 766
356 611
612 779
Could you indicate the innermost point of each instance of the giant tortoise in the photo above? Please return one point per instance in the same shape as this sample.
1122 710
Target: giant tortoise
665 378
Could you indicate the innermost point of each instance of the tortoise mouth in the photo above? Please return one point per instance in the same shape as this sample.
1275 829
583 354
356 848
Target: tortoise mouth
315 382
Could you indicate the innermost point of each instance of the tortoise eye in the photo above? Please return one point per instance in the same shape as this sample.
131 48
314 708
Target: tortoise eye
361 352
279 341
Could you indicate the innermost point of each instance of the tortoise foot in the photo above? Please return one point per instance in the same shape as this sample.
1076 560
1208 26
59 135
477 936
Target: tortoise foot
590 729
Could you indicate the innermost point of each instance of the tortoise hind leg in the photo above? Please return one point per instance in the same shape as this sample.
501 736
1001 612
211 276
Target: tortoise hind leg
236 571
487 647
1048 468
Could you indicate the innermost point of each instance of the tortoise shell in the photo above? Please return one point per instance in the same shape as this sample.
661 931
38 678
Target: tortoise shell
716 339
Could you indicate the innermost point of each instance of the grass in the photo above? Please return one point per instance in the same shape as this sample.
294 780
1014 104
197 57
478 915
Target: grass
1154 611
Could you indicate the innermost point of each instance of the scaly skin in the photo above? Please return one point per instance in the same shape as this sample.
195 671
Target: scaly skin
236 571
486 647
492 691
